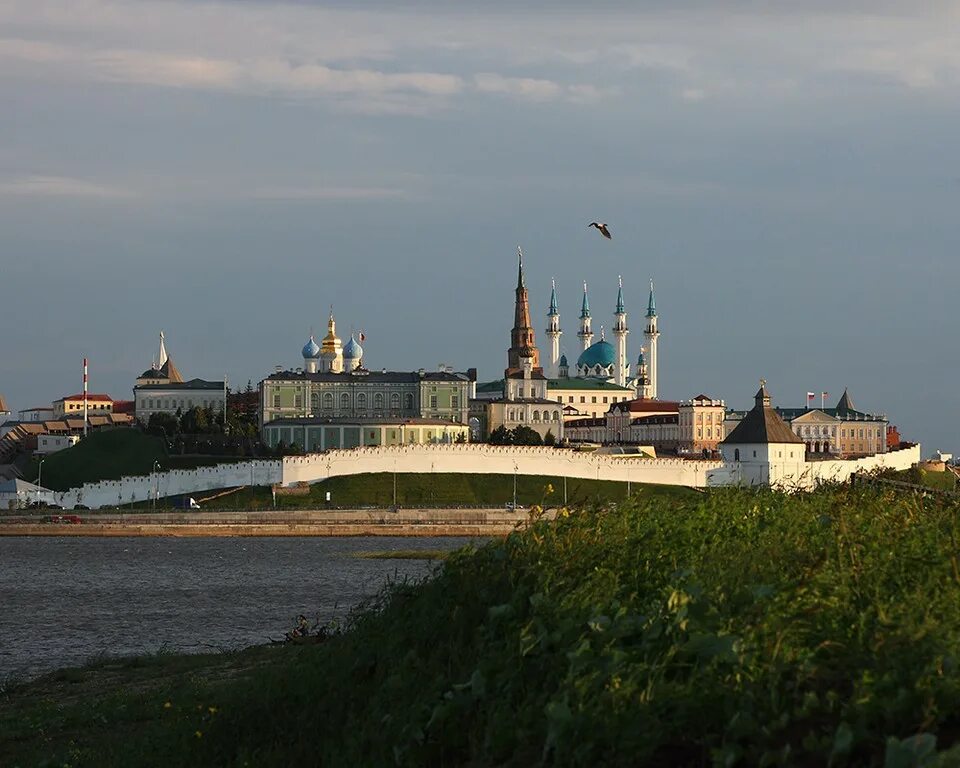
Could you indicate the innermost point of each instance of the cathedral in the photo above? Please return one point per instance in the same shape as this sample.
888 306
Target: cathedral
331 356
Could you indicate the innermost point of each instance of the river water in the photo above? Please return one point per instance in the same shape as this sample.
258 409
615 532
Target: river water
64 601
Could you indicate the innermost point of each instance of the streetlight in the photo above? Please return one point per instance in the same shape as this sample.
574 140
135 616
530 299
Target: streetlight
514 486
156 481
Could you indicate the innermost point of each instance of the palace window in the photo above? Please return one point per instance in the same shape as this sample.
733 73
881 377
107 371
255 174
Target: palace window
344 401
328 401
315 402
409 402
395 401
433 401
378 402
362 401
454 401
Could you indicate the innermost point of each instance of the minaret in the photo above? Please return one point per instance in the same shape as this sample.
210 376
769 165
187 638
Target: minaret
651 334
643 377
585 334
553 331
620 332
523 346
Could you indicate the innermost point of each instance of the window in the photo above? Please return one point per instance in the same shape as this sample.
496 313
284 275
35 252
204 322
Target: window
362 401
736 454
315 402
604 399
298 401
395 401
378 401
454 401
344 401
583 399
536 415
570 399
276 400
433 401
593 399
409 402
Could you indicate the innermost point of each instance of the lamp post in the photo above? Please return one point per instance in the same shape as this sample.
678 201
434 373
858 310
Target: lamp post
156 484
394 485
514 486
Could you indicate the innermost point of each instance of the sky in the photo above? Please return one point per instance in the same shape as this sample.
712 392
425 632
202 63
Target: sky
227 171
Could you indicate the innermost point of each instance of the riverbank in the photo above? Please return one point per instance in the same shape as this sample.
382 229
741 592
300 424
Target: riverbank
357 522
735 627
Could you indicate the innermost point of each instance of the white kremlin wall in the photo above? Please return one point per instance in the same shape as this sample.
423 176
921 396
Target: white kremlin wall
468 458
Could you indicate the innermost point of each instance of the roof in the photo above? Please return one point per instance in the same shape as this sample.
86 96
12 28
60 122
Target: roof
491 386
762 424
586 383
19 486
90 398
657 418
522 400
384 377
359 421
170 371
645 405
152 373
535 375
846 402
193 384
599 353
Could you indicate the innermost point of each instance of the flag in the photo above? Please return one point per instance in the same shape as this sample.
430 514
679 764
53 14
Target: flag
811 395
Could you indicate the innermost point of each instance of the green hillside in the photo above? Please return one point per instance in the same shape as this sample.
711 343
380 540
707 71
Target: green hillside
727 628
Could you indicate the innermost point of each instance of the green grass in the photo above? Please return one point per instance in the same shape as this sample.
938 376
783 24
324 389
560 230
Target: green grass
108 454
940 481
732 627
432 490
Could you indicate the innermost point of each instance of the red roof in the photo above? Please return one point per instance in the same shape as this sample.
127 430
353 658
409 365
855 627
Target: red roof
96 398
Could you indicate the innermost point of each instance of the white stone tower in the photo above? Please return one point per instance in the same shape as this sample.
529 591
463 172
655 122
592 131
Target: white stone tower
585 334
620 332
651 334
553 331
643 377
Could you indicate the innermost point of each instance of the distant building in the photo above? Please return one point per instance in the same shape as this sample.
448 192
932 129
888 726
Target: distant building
324 434
162 389
831 432
178 397
524 400
49 443
43 413
72 405
4 408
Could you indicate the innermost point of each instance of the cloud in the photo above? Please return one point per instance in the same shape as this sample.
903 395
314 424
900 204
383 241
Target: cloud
38 186
326 193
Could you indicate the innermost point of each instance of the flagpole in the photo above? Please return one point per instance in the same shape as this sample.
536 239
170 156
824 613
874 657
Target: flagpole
821 399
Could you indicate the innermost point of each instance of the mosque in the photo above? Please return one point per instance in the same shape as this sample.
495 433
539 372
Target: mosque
602 374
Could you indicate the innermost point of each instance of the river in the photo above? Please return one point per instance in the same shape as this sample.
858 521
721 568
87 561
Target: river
64 601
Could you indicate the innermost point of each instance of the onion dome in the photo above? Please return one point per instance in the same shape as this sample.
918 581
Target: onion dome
352 350
602 353
311 350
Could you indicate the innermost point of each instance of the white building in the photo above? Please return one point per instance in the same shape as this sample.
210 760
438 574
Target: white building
19 494
47 444
180 396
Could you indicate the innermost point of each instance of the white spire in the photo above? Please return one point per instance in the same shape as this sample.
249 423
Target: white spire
162 355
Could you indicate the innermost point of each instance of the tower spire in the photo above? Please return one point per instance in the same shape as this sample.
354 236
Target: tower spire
651 304
620 331
553 331
522 342
585 333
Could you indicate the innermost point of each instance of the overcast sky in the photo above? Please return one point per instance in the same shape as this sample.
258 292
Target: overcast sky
227 171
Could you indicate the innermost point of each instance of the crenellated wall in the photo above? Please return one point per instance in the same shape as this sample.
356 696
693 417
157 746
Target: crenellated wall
492 459
110 493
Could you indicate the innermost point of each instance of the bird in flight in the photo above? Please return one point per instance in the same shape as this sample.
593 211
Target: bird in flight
601 228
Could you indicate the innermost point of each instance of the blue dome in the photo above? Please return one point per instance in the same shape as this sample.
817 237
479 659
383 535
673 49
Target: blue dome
563 360
311 350
601 353
352 351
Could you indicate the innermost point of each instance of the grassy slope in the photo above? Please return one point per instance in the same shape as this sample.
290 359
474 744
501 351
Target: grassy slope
730 626
438 489
109 454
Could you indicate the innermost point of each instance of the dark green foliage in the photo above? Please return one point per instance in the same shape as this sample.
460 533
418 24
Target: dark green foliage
501 436
524 435
727 628
164 425
549 438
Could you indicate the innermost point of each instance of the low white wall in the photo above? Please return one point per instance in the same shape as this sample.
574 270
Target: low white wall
110 493
490 459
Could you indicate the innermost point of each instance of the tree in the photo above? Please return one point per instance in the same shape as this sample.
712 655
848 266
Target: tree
549 439
501 436
461 438
164 425
524 435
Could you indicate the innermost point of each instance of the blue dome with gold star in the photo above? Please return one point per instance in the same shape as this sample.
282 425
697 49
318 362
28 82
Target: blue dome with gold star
311 350
602 353
352 350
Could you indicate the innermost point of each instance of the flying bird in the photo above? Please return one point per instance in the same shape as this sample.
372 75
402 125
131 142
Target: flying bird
601 228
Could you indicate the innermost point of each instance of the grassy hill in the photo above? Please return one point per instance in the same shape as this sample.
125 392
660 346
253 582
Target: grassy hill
437 489
108 454
727 628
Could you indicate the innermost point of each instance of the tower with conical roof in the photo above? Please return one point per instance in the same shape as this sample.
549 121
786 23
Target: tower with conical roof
585 334
620 332
523 348
650 335
643 377
553 331
331 349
